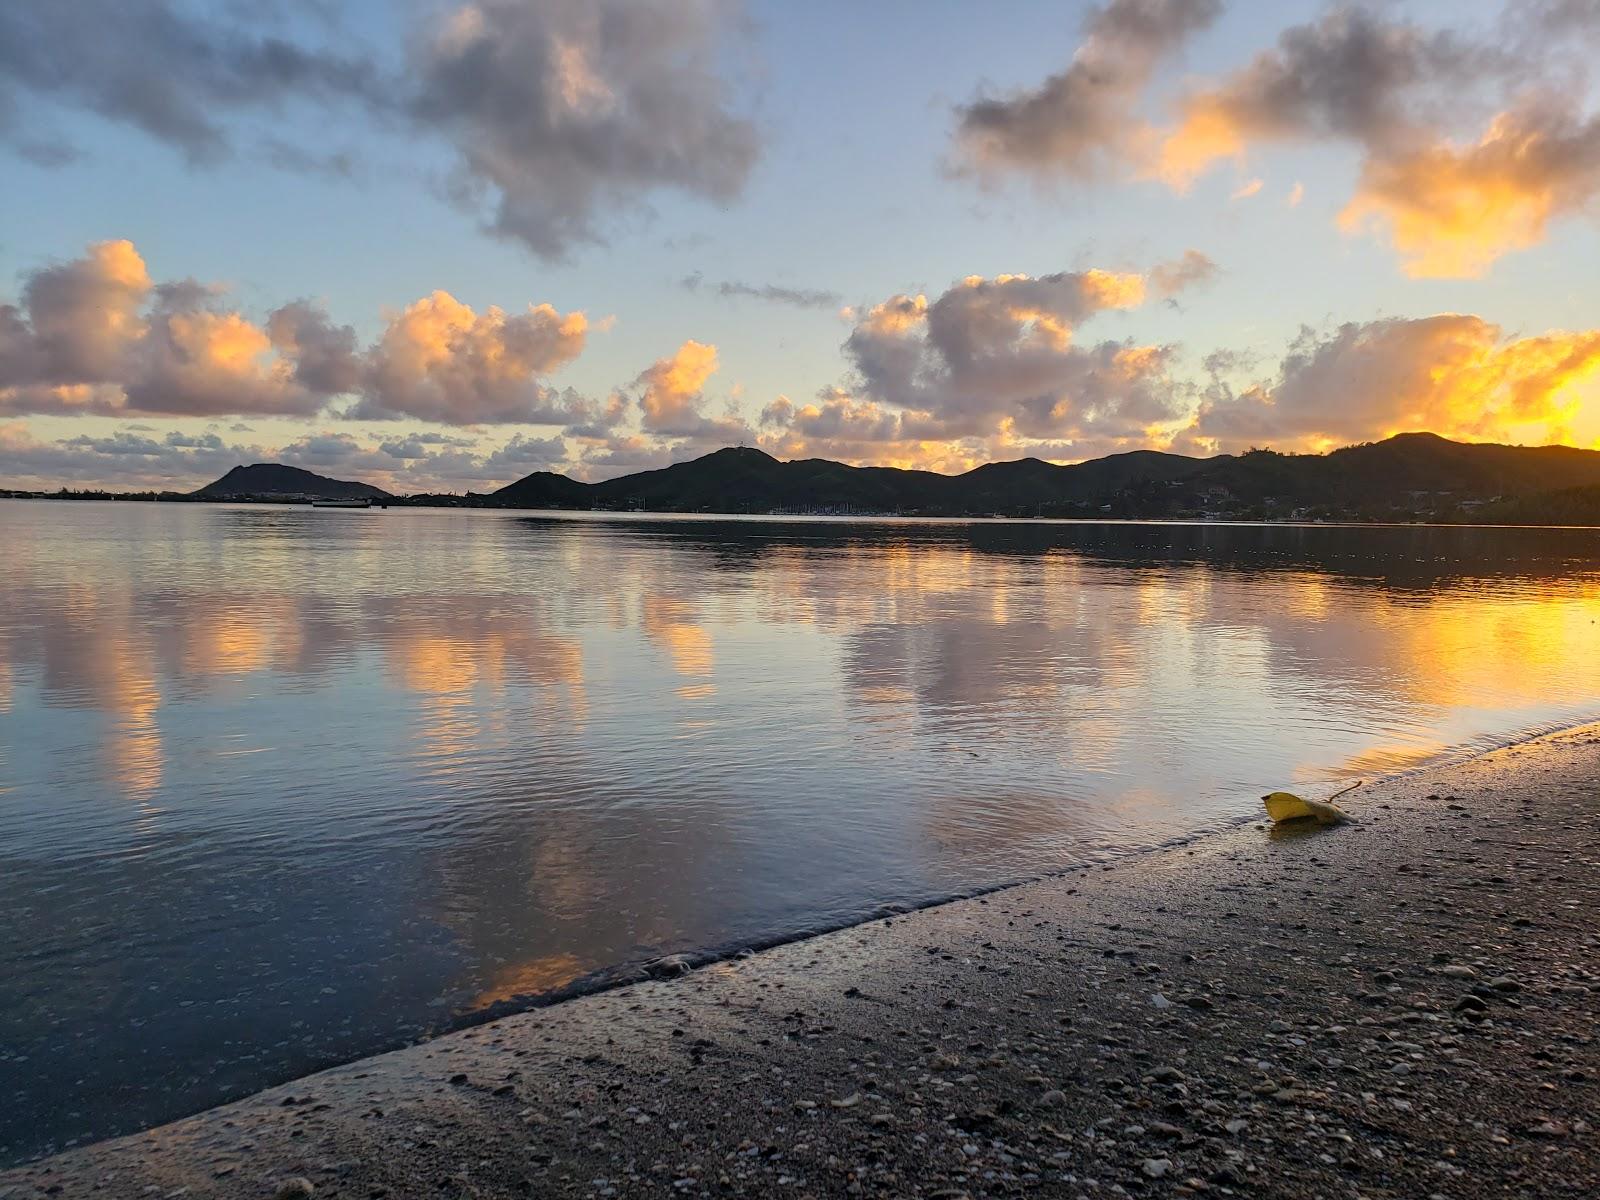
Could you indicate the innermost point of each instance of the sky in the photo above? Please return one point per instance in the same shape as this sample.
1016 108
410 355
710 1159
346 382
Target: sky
439 244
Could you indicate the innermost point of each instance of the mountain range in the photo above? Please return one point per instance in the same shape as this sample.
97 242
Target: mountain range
1408 476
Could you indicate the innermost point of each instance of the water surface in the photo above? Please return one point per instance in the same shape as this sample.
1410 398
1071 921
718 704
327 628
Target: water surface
283 786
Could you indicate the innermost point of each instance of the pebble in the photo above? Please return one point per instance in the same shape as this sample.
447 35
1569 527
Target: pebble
294 1188
1155 1168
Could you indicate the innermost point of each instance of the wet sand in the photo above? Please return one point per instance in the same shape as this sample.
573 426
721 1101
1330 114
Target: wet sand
1407 1006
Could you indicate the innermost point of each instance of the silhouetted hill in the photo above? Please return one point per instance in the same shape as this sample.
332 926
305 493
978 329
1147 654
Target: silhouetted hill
544 489
276 479
1409 476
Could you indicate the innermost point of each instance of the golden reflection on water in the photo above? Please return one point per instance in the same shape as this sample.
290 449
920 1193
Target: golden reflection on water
673 625
1037 640
531 978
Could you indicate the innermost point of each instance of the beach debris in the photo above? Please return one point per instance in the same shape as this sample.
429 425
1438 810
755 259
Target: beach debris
1286 806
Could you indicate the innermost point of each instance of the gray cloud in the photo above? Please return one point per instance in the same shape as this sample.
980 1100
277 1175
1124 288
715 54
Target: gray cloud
567 111
124 459
325 357
1351 74
524 454
165 70
770 292
993 359
1083 122
1193 270
565 115
420 444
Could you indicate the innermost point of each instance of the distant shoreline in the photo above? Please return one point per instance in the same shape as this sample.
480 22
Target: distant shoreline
1406 478
1254 1011
950 518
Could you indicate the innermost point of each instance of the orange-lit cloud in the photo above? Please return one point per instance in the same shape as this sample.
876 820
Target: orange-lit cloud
439 360
96 336
1370 78
1205 134
1451 210
673 392
1452 374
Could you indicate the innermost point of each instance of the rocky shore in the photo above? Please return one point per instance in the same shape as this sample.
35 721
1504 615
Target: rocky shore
1403 1007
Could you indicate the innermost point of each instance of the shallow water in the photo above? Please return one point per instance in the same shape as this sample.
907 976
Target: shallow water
282 786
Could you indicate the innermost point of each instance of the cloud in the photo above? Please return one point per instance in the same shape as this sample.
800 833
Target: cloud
1453 374
418 444
1452 211
992 356
325 356
563 115
1349 75
1083 123
1194 269
77 320
770 292
97 335
672 394
322 451
522 454
622 454
1247 189
441 361
567 112
123 459
1394 89
1401 93
163 69
1296 194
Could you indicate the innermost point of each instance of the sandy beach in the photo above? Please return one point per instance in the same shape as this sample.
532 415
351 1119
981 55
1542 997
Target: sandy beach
1406 1006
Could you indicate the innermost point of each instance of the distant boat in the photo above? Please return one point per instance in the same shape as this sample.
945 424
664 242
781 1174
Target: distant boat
364 502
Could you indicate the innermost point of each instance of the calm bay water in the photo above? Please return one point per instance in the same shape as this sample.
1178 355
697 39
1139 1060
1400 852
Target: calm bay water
281 786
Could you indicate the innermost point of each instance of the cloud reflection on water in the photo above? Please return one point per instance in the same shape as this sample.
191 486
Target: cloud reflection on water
389 768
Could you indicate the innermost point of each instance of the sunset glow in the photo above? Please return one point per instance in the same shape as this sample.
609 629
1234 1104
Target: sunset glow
1190 225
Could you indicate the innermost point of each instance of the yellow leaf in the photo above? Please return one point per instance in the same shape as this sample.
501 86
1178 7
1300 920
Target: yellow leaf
1286 806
